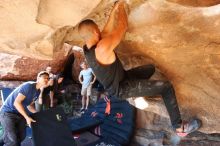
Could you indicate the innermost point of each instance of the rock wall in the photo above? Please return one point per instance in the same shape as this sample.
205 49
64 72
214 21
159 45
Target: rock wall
22 68
196 3
183 43
181 37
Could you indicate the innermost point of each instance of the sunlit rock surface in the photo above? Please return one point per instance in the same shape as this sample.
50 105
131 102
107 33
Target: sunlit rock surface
181 37
196 3
15 67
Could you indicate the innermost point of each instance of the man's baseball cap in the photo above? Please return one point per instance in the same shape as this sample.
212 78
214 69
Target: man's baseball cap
42 73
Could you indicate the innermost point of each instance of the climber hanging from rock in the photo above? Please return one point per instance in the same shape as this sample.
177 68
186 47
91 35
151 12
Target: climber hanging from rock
99 51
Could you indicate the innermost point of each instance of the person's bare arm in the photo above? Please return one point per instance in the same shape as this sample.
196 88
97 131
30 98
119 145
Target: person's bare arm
80 78
94 78
40 97
31 108
51 98
110 22
108 43
18 105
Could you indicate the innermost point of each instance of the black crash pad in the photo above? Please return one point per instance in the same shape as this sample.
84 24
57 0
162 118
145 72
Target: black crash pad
51 129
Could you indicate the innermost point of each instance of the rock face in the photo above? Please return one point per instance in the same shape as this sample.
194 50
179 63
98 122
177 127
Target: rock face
183 43
196 3
14 67
181 37
20 33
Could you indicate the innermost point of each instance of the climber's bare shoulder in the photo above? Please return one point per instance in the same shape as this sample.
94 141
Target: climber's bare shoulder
105 51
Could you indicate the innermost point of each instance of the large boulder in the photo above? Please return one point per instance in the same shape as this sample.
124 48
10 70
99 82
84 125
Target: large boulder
181 37
196 3
22 68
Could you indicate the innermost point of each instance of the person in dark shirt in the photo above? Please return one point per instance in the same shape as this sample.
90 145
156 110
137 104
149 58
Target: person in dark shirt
99 52
46 100
58 88
52 94
14 111
49 89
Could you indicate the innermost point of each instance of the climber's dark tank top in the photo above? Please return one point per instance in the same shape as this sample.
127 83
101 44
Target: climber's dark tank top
108 75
